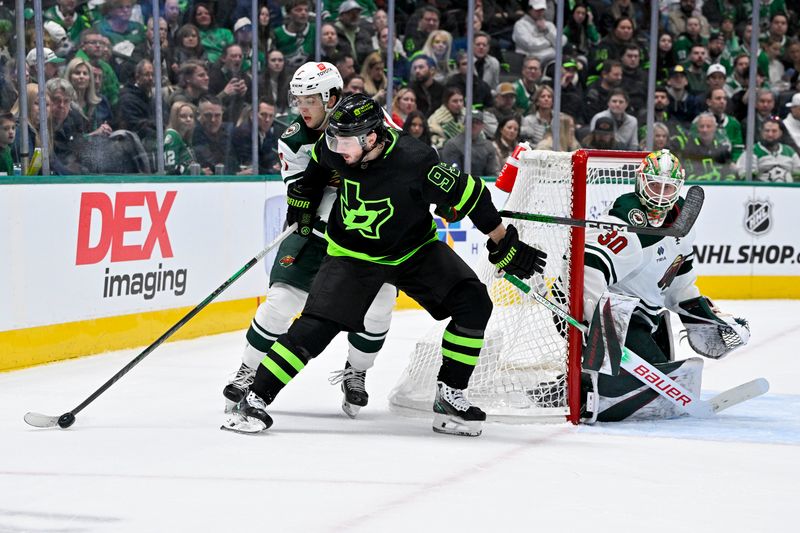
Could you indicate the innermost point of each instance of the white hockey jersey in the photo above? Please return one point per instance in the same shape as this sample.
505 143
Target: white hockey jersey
656 270
294 151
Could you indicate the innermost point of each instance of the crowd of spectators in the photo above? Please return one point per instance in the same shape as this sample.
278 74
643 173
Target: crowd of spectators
100 80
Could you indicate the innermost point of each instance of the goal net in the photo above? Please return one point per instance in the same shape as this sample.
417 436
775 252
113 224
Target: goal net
528 370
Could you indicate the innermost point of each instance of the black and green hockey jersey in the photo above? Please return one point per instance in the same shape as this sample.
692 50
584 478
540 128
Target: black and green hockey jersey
382 211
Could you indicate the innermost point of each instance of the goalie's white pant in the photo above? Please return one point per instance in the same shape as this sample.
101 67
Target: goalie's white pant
284 303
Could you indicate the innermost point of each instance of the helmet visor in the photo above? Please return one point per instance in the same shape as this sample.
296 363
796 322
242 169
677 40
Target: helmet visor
349 147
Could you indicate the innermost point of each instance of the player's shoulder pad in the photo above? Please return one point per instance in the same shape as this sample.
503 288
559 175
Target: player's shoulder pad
628 208
298 135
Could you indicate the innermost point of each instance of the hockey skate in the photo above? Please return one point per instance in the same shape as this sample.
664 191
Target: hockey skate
353 387
237 388
454 415
249 416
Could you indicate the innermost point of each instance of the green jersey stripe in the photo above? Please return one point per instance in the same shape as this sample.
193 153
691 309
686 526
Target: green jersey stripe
463 341
590 248
336 250
288 356
277 371
470 360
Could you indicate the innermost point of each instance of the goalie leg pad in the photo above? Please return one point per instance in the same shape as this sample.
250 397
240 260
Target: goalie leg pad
624 397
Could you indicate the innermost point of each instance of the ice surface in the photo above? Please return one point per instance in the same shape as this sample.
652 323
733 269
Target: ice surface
148 454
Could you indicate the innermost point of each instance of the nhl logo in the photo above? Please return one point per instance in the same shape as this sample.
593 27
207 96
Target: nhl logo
758 217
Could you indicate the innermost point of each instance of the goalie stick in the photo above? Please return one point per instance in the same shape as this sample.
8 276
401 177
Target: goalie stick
67 419
680 228
651 376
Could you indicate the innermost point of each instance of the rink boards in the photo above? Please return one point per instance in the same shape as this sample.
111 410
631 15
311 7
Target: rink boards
96 265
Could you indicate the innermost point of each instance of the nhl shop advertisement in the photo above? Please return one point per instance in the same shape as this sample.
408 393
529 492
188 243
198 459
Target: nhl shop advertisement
749 231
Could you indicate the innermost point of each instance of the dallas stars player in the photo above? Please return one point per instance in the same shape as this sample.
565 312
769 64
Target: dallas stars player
381 231
316 89
658 271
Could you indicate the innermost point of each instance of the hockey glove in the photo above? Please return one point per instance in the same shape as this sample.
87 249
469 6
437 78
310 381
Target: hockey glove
710 332
514 256
303 203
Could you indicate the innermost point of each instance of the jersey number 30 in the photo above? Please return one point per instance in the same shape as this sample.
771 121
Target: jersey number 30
612 241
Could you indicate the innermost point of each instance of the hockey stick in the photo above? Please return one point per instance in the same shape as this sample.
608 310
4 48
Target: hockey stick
651 376
686 218
67 419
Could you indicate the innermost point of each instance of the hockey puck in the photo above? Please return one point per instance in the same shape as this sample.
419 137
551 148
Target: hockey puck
66 420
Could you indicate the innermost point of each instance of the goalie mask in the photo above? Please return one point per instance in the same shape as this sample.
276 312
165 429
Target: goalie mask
658 184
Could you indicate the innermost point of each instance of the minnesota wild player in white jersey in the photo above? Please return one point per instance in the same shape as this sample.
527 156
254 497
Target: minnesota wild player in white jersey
316 89
658 271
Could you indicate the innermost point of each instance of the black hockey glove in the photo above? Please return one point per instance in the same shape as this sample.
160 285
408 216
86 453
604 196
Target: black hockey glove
514 256
303 203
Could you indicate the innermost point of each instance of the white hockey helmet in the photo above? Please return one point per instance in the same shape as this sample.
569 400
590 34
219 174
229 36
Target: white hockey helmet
658 184
316 78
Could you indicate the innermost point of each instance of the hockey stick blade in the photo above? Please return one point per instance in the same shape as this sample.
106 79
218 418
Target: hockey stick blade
39 420
68 418
680 228
737 395
692 206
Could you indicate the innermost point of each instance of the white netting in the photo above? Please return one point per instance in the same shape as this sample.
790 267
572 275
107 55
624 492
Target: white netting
520 373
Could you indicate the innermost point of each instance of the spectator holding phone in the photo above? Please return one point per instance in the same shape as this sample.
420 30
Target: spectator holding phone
231 85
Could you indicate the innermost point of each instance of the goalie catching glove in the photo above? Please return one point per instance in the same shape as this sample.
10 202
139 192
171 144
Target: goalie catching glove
514 256
711 333
303 203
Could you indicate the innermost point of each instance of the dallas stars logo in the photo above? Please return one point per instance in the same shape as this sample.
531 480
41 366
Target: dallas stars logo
364 216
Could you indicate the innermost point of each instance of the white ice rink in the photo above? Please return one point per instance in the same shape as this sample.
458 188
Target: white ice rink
148 455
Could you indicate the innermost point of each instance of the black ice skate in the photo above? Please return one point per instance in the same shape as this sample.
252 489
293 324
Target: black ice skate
237 388
454 415
353 387
248 416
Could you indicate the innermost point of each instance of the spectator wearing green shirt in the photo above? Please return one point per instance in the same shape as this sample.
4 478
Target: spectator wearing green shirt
178 154
7 133
92 48
70 16
213 38
295 38
773 161
117 25
717 101
687 39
